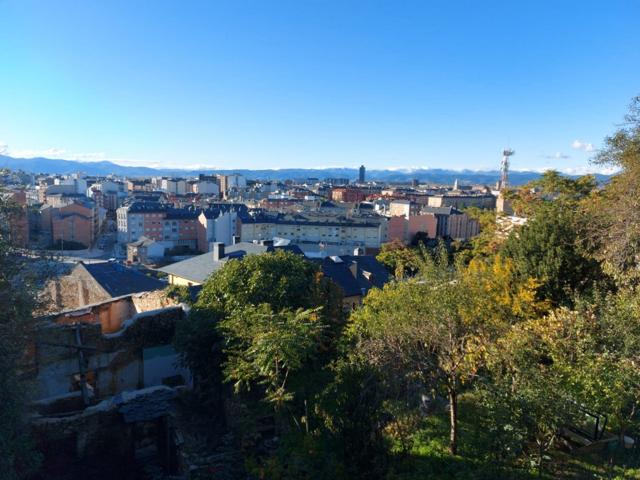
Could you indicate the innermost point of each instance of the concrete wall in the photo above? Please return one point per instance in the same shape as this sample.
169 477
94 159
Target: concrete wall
461 227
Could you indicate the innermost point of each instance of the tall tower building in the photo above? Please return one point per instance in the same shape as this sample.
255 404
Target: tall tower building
361 174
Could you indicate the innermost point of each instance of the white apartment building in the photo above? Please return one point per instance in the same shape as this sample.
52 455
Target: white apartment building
366 234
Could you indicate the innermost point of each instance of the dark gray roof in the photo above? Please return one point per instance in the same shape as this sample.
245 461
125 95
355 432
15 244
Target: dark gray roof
197 269
148 207
370 273
214 210
439 210
119 280
182 213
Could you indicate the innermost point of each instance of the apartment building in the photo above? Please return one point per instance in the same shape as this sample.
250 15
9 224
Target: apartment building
177 186
76 222
158 221
403 208
231 182
339 231
205 185
140 218
435 222
456 200
219 223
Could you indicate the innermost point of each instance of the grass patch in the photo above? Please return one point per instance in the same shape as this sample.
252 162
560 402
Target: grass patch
429 457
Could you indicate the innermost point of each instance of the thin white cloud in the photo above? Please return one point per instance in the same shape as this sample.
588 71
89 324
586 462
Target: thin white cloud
4 149
582 170
580 145
590 170
557 156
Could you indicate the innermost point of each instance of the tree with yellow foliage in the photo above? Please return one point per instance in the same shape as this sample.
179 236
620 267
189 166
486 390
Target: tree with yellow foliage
431 333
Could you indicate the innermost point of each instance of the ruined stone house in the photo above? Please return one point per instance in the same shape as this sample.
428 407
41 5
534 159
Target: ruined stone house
90 283
103 381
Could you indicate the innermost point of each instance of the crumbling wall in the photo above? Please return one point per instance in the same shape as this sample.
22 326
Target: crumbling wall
126 359
110 315
151 301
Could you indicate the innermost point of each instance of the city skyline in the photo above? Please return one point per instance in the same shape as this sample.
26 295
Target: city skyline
314 85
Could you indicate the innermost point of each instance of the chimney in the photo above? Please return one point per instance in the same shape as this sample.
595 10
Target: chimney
358 252
235 239
218 251
353 267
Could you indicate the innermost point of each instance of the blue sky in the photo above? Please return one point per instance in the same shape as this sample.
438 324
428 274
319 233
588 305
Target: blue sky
266 84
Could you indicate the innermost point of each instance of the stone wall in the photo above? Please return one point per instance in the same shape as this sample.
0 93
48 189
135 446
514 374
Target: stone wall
103 441
75 290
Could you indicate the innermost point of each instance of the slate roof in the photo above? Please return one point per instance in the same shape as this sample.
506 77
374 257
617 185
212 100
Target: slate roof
148 207
119 280
337 269
182 214
198 269
214 210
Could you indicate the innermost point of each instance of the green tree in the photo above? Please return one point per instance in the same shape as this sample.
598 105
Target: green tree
547 249
552 186
266 324
487 242
266 348
179 293
280 279
432 332
544 370
401 261
17 297
612 233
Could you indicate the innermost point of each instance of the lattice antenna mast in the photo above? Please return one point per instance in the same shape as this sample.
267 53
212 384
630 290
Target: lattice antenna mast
504 168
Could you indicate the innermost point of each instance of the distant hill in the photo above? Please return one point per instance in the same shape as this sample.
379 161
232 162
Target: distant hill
431 175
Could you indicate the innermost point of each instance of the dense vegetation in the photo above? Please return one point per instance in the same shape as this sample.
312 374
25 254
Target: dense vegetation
475 362
17 292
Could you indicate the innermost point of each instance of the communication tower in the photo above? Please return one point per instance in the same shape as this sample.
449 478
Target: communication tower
504 168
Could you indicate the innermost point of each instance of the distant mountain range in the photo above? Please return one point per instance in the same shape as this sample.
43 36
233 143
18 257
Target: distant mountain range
430 175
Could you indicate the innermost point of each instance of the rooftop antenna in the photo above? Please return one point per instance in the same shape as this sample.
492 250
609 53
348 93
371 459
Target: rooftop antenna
504 168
